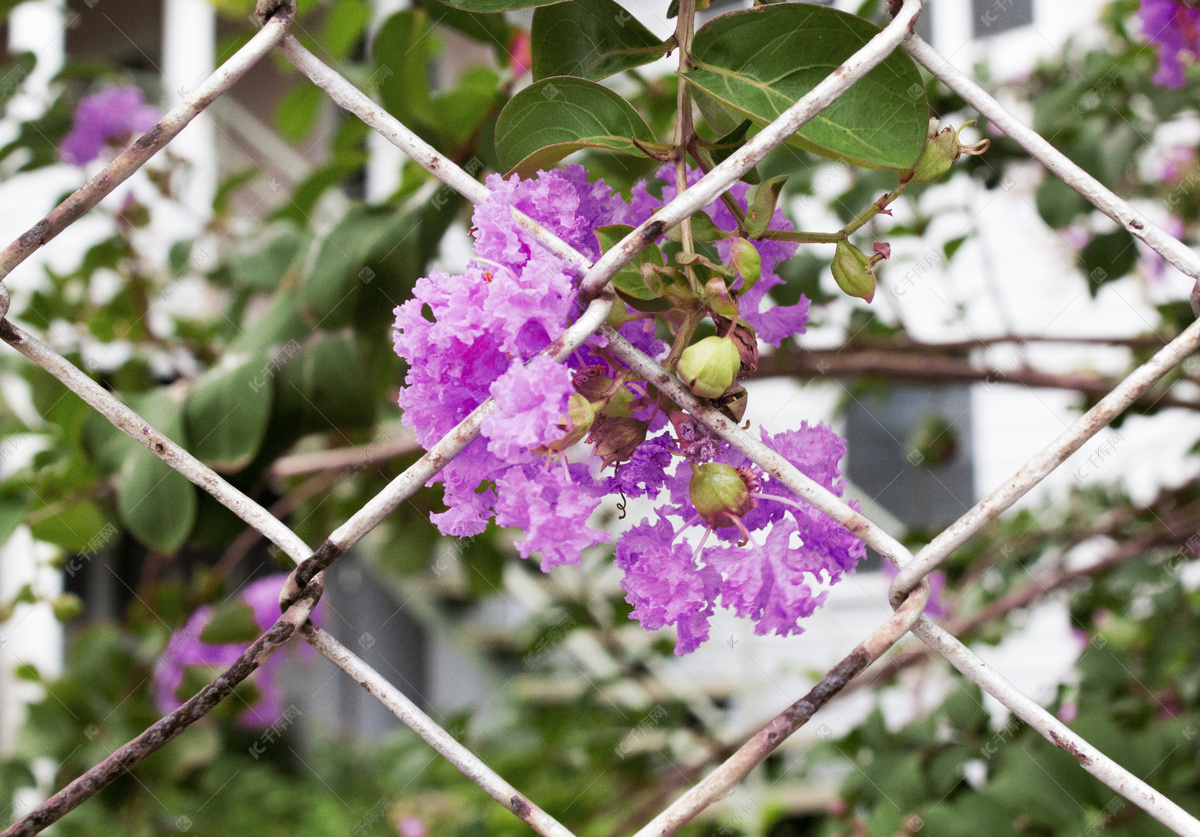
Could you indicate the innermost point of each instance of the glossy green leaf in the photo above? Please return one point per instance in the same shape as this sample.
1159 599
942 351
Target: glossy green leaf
156 504
703 230
551 118
760 61
590 38
226 414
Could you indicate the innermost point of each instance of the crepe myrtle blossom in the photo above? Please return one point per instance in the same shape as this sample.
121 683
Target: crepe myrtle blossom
1174 29
722 532
185 650
114 116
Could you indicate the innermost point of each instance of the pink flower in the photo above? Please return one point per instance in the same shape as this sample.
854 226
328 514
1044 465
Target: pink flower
520 53
1174 29
186 649
112 115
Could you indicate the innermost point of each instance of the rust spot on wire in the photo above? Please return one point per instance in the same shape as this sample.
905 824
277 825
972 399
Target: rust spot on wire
1070 747
519 807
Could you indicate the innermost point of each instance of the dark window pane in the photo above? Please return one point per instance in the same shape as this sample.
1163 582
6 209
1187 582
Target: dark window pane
992 17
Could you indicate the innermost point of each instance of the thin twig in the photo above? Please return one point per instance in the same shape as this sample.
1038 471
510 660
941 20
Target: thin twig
927 366
1170 248
338 459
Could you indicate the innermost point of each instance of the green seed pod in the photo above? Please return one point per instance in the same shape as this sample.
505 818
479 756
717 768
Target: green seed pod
852 270
942 151
747 261
719 493
709 366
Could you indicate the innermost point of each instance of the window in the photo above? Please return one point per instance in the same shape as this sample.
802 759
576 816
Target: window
991 17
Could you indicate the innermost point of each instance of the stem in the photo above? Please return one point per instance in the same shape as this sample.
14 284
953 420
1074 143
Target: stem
704 160
684 129
857 223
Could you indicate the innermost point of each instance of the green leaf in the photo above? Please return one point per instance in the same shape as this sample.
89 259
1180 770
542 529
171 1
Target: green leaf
703 230
590 38
630 281
226 415
553 117
72 528
1058 203
345 24
343 263
762 205
261 264
12 512
402 51
298 111
497 5
760 61
156 504
328 387
1108 257
231 622
951 246
457 114
492 30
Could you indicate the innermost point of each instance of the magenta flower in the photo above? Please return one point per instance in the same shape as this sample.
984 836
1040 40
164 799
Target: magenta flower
1174 29
530 404
185 649
110 116
480 333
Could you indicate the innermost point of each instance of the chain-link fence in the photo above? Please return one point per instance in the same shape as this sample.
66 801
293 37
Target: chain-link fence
910 590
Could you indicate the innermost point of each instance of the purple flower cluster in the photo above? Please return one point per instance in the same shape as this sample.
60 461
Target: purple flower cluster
113 115
185 650
469 336
1174 29
773 582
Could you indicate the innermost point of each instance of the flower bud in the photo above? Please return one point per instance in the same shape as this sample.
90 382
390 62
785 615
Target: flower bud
719 493
852 270
617 438
709 366
575 425
942 150
747 261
